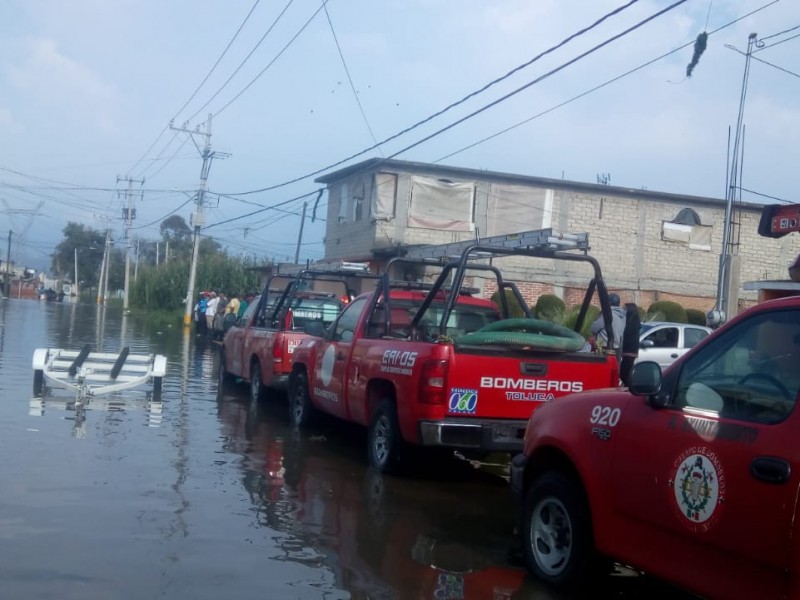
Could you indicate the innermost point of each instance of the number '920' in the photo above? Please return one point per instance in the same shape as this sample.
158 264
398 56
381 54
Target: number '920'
604 415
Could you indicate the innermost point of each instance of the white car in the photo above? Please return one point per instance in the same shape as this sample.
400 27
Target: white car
664 342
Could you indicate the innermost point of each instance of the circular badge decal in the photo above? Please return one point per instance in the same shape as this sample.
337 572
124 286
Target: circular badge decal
699 487
326 370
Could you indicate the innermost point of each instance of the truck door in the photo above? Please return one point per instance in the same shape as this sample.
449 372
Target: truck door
331 370
715 476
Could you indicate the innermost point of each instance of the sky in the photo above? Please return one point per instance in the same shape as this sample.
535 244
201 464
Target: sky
88 89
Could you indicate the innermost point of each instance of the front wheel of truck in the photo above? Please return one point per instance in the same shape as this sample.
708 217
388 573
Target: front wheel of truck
384 439
301 412
557 532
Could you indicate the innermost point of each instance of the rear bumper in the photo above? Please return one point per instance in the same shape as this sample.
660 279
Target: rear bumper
501 435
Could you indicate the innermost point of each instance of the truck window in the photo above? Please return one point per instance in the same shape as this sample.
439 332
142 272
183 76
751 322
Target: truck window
750 373
346 325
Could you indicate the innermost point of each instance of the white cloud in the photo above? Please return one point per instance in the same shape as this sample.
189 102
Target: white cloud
54 80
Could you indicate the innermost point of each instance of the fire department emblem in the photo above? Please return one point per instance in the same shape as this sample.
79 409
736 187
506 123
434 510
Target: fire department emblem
699 486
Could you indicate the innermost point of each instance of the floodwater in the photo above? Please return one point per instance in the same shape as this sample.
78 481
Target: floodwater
203 495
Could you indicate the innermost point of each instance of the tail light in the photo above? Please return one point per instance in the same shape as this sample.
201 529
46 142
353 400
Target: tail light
277 349
433 382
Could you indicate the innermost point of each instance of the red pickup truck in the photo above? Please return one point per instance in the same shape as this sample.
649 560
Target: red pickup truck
443 368
259 347
692 476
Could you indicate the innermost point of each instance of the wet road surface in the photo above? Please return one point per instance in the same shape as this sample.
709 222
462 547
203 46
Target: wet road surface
203 495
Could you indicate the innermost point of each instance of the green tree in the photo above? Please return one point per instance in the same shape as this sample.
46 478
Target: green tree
85 243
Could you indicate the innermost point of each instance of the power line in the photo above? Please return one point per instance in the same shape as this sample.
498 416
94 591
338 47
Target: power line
255 212
230 43
450 106
241 64
600 86
277 56
180 110
349 78
550 73
769 37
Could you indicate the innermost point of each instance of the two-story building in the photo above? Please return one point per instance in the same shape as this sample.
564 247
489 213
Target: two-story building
652 245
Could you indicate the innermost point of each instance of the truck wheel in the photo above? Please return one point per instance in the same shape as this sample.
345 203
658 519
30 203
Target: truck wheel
38 382
384 439
557 532
256 387
301 412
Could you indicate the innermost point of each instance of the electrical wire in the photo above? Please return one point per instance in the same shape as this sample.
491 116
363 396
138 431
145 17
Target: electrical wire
241 64
769 37
600 86
270 63
450 106
221 56
255 212
349 77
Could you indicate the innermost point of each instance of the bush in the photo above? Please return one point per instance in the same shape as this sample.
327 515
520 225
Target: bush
695 316
571 317
550 308
514 308
666 310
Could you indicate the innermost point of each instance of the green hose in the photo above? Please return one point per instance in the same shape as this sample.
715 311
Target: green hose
533 333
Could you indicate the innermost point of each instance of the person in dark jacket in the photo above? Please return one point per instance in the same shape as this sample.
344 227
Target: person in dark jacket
630 341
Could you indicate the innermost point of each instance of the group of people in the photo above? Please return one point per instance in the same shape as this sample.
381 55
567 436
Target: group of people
215 312
625 324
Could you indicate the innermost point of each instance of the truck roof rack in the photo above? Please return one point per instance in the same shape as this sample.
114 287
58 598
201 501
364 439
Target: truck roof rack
333 267
544 240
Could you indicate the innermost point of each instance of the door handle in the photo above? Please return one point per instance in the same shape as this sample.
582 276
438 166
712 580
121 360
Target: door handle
674 355
770 469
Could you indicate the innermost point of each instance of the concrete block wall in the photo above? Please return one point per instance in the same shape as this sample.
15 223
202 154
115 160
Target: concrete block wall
625 236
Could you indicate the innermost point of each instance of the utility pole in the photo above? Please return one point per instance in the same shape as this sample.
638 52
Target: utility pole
157 248
129 214
300 235
77 289
136 266
727 277
199 217
8 265
103 266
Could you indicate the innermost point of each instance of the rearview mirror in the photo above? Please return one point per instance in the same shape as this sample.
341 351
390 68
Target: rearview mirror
647 343
645 378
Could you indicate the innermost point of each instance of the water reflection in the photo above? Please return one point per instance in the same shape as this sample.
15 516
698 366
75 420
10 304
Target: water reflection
440 536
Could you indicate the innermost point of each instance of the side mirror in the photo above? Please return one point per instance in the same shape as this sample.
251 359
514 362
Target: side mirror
315 328
647 344
645 378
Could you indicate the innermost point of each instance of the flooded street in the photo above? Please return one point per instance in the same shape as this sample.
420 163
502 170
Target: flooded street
204 496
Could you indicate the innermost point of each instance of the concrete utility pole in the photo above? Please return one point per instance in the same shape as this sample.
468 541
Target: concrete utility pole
77 289
300 235
129 214
729 265
199 217
136 266
103 266
8 265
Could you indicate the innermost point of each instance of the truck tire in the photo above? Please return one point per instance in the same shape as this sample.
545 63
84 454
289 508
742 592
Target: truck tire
38 382
557 532
256 385
384 440
301 412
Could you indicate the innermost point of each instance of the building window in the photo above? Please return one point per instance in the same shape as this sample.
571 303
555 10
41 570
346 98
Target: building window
687 229
359 191
441 204
344 201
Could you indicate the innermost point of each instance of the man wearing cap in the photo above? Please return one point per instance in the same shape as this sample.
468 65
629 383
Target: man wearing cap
617 325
